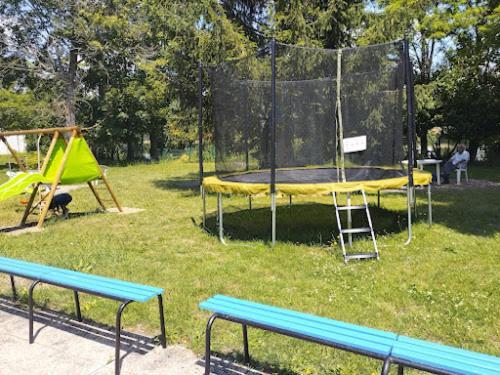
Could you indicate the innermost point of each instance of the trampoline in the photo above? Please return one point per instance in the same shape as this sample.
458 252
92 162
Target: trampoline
317 181
299 121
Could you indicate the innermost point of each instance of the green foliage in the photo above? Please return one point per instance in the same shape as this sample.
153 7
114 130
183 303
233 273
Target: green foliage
328 24
128 69
24 110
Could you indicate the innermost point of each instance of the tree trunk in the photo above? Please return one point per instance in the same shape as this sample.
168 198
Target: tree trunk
156 142
473 146
423 141
71 88
130 149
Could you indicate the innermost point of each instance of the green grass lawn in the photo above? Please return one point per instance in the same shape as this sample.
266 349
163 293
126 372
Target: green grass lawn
444 286
485 172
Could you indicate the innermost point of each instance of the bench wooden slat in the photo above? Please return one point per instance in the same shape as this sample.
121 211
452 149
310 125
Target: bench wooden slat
334 332
30 269
449 349
98 284
459 361
304 316
111 289
102 281
306 320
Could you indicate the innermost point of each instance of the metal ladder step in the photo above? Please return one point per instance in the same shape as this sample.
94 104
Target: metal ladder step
360 256
350 231
345 208
357 230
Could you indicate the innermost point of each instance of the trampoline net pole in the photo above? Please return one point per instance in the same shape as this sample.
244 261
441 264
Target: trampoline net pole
408 200
204 207
200 120
410 117
341 141
429 203
273 141
339 116
273 218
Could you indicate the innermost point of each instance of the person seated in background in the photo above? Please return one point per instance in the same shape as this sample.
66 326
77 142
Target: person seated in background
459 157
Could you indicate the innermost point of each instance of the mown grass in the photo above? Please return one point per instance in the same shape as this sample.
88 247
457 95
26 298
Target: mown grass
444 286
485 172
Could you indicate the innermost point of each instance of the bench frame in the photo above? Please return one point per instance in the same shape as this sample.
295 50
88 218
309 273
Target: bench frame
245 323
388 360
124 303
402 364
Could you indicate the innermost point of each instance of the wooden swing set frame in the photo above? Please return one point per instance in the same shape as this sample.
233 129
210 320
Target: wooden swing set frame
56 133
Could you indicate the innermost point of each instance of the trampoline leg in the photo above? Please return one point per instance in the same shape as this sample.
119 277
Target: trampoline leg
290 202
273 219
204 204
249 202
349 219
378 199
429 203
409 200
221 220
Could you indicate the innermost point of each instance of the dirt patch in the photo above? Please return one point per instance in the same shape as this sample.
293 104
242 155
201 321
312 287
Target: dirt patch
18 230
125 210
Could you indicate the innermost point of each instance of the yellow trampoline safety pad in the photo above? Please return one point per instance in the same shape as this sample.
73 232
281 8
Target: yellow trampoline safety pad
213 184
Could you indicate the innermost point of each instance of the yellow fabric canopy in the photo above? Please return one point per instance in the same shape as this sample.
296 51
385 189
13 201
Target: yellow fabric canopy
215 185
80 167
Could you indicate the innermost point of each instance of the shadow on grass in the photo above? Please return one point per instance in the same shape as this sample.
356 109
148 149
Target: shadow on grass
310 224
189 184
232 363
471 211
468 211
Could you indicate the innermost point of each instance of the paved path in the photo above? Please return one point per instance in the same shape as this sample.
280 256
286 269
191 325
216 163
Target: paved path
65 346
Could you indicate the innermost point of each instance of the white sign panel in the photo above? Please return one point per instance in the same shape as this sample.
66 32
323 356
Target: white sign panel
354 144
17 142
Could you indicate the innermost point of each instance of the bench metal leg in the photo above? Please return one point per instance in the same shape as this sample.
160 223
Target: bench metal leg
77 306
386 366
118 333
400 370
245 343
30 310
13 286
208 334
163 337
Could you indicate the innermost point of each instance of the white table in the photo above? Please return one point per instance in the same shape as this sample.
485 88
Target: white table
422 162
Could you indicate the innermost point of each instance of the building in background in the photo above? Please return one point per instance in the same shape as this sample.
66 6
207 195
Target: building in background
17 142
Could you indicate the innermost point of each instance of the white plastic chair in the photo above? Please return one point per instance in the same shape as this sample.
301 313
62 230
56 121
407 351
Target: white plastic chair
462 167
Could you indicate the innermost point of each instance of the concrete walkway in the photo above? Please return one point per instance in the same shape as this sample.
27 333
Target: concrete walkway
66 346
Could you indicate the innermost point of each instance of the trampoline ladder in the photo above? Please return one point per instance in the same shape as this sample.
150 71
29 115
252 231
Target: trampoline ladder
350 231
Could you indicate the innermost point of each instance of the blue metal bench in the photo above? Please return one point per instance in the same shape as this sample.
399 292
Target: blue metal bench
386 346
440 359
122 291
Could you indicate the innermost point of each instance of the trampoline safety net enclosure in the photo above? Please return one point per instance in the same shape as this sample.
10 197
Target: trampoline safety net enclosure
294 120
298 115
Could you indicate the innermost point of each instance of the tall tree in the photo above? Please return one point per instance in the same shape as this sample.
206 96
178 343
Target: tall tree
469 89
51 39
426 24
328 24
